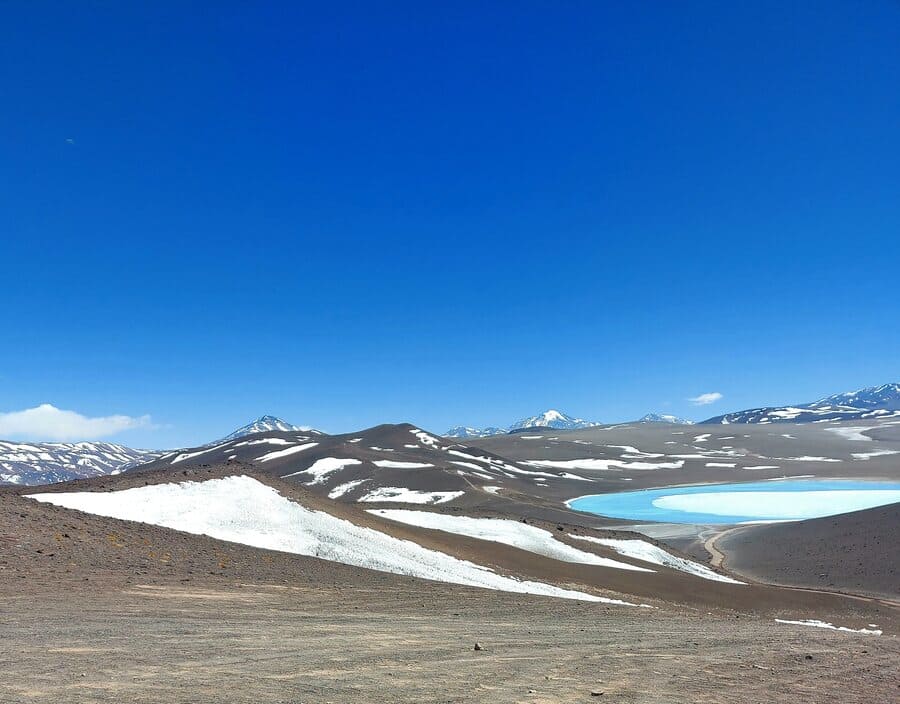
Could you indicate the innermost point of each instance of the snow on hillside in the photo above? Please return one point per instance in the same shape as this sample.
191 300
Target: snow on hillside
503 530
872 402
462 431
32 463
664 418
552 419
243 510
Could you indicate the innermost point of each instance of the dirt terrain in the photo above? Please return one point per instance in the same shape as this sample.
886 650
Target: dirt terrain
855 552
215 640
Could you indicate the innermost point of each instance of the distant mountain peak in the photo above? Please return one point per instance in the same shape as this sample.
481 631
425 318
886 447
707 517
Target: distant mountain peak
463 431
552 418
664 418
872 402
266 424
886 396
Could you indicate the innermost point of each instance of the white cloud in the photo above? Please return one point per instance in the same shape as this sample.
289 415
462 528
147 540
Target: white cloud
46 422
706 399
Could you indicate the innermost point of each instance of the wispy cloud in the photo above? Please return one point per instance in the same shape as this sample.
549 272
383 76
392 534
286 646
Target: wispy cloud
706 399
47 422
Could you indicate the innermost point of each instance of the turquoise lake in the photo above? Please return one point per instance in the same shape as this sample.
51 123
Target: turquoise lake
788 499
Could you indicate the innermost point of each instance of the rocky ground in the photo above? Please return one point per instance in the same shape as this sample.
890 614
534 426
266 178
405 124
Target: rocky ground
217 640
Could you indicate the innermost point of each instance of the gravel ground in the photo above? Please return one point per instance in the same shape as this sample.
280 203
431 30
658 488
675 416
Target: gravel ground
227 642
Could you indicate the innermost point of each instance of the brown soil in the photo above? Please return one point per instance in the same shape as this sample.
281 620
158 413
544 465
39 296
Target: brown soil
855 552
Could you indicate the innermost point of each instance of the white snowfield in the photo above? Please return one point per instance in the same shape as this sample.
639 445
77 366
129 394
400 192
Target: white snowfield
815 623
342 489
322 468
501 530
402 495
792 505
401 465
284 453
876 453
854 433
243 510
426 438
601 464
647 552
265 441
188 455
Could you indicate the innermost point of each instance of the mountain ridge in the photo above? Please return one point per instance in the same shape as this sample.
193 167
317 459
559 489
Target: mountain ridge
265 424
870 402
664 418
551 418
32 463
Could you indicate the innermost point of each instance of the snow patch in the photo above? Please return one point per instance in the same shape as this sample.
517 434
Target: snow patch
284 453
401 465
599 464
342 489
505 531
321 469
243 510
647 552
402 495
815 623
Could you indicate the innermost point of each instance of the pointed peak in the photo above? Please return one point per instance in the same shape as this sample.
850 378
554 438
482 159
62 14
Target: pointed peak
267 424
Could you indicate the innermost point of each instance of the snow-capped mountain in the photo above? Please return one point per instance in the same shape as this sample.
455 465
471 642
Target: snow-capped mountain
664 418
265 424
552 419
873 402
462 431
885 397
548 419
31 463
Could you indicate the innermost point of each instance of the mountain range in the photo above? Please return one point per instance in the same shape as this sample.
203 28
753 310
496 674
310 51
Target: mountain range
548 419
872 402
664 418
30 463
48 462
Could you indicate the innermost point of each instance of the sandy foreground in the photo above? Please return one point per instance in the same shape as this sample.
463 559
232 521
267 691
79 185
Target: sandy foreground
409 641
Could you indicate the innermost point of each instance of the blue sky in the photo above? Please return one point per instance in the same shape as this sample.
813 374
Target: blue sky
354 214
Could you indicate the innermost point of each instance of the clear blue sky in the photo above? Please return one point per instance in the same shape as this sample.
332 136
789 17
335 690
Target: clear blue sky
376 212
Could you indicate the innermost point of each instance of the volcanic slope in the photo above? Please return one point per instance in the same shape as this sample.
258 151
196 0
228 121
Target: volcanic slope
642 455
247 511
856 552
387 464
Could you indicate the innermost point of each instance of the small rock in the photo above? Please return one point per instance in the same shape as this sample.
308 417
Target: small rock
596 692
479 646
809 657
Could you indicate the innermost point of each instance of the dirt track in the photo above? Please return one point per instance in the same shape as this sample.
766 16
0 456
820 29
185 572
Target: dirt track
250 643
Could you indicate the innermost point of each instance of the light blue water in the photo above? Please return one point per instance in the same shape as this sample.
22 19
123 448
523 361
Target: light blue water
638 505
